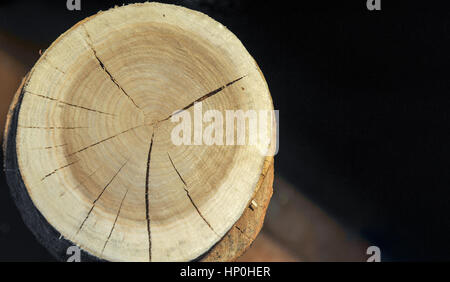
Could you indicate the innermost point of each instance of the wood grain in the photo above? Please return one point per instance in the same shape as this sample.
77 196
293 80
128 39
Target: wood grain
91 126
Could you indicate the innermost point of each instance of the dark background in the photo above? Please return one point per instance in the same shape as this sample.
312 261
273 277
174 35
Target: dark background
364 99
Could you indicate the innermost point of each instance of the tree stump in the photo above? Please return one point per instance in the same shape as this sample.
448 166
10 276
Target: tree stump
89 151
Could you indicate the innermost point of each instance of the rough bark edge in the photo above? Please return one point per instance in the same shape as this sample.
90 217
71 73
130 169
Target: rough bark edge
240 237
45 233
235 242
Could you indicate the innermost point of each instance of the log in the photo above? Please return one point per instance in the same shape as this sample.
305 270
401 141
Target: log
89 148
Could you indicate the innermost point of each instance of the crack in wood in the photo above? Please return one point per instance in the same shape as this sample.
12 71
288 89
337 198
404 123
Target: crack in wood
52 65
243 233
98 197
51 127
87 177
49 147
207 95
189 196
115 220
69 104
58 169
102 65
103 140
147 214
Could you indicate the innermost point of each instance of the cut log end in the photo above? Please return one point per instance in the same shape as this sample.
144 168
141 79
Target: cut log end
89 149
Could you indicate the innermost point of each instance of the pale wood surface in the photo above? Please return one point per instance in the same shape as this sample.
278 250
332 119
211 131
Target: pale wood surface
243 233
94 146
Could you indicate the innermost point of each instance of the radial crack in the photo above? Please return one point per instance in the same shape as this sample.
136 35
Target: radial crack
98 197
106 139
58 169
53 66
243 233
69 104
115 220
147 215
212 93
49 147
189 196
52 127
87 177
102 65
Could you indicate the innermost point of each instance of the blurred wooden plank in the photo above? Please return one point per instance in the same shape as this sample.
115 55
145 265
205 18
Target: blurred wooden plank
267 249
296 224
16 57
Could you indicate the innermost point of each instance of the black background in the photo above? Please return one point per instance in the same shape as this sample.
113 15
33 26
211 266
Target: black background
364 99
